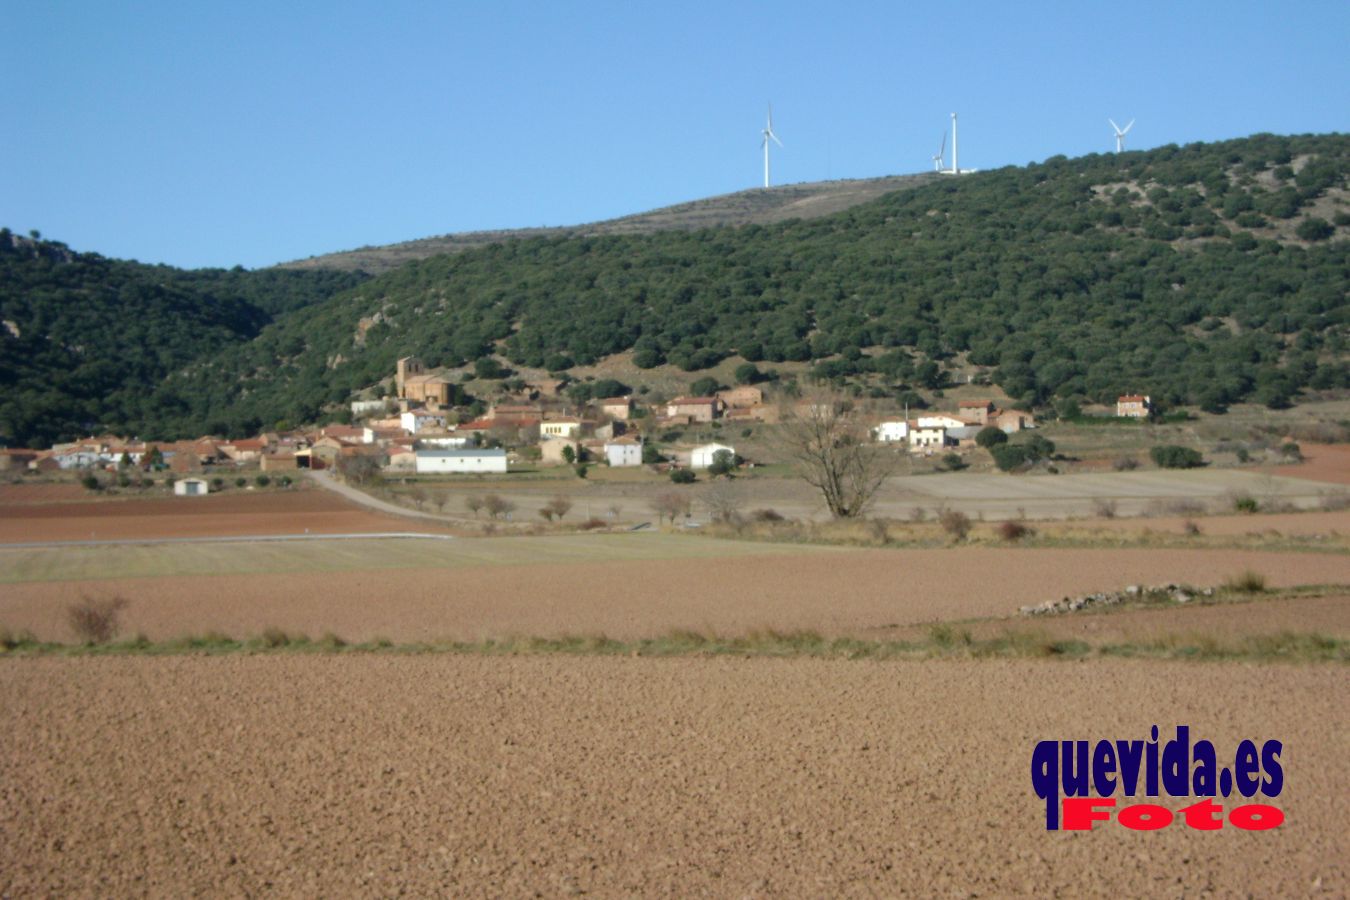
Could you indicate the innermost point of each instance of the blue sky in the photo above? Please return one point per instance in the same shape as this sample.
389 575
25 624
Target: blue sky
252 133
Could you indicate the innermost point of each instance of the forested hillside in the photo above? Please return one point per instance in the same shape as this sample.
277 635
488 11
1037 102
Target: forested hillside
1206 274
87 340
1203 274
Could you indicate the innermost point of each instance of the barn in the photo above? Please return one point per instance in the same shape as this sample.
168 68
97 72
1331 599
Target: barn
461 461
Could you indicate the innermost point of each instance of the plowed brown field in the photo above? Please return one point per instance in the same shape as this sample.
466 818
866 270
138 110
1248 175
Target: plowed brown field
1321 462
469 776
460 775
835 592
218 515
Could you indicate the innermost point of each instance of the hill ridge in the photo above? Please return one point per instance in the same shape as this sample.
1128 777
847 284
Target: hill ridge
753 206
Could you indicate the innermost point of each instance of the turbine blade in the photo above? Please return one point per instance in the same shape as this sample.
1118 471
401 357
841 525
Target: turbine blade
1114 125
1128 127
943 148
775 139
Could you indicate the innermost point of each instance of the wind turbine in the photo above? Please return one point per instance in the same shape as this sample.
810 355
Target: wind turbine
769 135
1120 134
955 170
942 151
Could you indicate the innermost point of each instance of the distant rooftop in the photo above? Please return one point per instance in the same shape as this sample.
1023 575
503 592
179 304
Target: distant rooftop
490 453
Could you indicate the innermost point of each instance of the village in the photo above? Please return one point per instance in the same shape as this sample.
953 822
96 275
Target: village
419 432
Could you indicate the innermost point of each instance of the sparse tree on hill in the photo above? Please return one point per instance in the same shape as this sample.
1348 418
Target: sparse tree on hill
827 440
991 436
723 463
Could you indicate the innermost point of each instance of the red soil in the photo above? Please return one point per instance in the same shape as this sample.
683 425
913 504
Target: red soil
1321 462
22 494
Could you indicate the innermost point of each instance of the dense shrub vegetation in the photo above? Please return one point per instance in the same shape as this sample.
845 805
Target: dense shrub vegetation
1196 274
86 339
1170 456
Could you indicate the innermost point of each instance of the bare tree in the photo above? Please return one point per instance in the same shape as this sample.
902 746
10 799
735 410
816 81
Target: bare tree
419 497
495 505
95 621
559 506
473 503
359 469
723 500
828 441
669 505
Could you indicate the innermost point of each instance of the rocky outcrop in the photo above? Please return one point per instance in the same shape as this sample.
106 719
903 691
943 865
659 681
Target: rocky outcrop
1166 593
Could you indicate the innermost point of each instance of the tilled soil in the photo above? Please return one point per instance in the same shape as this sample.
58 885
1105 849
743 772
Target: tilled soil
841 592
1321 462
514 776
219 515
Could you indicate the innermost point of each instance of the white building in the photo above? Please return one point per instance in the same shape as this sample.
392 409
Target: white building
376 435
1134 406
80 459
417 420
444 441
928 438
191 487
461 461
561 427
702 457
624 451
366 408
890 432
940 421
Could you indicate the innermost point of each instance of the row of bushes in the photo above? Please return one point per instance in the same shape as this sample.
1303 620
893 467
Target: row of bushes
93 483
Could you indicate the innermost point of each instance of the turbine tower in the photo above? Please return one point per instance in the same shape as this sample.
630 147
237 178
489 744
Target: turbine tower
768 136
955 170
942 152
1120 134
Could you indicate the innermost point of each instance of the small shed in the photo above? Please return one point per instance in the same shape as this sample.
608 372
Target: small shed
191 487
703 457
624 451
